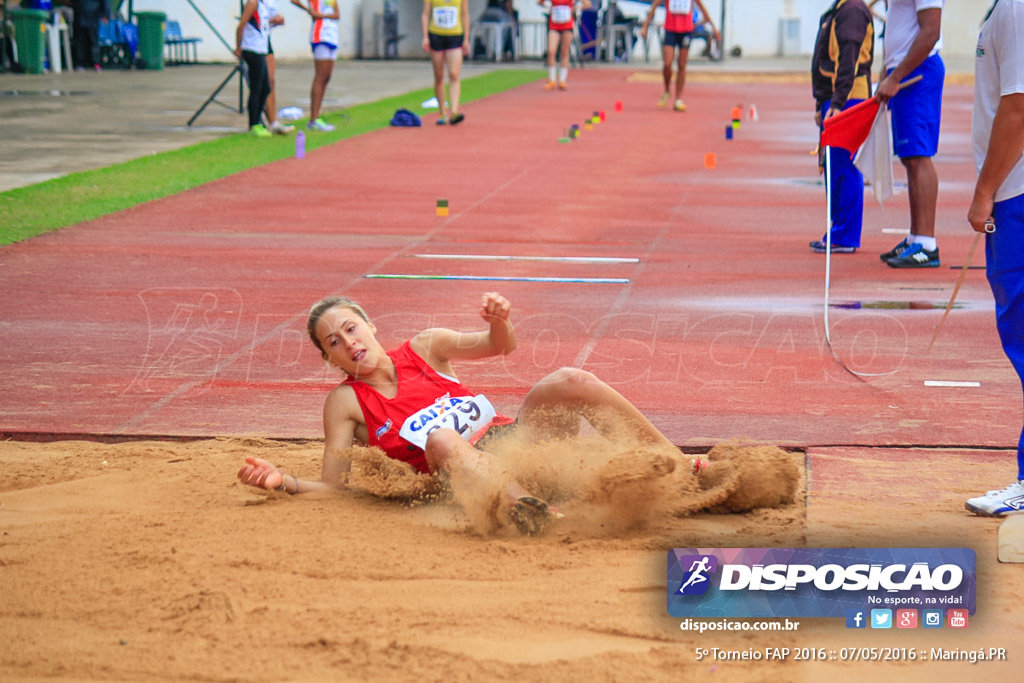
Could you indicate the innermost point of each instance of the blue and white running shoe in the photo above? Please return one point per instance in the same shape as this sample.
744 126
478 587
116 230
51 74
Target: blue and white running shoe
998 503
895 251
915 256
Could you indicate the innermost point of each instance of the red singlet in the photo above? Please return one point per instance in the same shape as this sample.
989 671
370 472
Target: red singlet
679 16
560 18
419 386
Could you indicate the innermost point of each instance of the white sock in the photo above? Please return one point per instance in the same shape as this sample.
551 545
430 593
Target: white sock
927 243
551 73
563 74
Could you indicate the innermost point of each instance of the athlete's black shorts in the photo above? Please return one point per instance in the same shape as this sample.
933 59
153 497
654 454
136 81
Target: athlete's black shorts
678 39
442 43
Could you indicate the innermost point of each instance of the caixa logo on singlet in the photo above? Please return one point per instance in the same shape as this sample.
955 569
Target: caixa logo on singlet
697 579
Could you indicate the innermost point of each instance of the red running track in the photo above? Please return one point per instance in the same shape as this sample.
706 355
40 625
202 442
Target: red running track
186 316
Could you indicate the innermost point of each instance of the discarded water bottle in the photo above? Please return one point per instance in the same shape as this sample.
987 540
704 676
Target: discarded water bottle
300 145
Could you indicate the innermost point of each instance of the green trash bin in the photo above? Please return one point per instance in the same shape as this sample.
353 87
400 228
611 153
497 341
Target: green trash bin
30 37
151 38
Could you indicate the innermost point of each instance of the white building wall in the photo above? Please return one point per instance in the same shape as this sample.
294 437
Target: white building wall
751 25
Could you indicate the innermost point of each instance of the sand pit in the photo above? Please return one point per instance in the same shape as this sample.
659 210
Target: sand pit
147 561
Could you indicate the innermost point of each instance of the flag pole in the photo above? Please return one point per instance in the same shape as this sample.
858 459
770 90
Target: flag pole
828 237
828 261
828 249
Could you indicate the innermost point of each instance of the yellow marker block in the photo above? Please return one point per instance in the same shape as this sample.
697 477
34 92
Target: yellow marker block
442 207
588 126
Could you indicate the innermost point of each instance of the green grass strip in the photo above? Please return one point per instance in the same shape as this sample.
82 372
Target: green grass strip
54 204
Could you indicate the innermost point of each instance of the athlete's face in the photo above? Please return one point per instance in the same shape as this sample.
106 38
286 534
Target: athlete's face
349 341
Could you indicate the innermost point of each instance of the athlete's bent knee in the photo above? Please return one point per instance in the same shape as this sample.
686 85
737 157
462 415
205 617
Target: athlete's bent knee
572 382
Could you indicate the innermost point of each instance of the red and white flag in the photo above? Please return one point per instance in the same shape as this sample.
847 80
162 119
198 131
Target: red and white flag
863 130
875 157
850 128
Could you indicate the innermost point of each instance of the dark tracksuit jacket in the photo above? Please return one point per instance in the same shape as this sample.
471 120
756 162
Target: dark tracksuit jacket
843 51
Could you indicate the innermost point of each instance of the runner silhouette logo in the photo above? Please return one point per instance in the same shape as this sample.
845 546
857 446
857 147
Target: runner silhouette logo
697 578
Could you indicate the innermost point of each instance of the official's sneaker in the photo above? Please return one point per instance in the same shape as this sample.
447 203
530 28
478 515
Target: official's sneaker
278 128
562 85
663 101
915 256
550 85
999 503
259 131
320 125
679 106
818 247
895 251
457 118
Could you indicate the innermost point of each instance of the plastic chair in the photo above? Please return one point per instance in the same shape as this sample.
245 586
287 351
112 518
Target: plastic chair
180 50
57 36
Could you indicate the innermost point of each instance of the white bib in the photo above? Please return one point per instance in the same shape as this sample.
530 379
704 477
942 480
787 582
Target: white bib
465 414
446 17
680 6
561 14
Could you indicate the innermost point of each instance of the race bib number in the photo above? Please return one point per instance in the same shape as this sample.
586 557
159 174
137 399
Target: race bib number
561 14
465 414
446 17
680 6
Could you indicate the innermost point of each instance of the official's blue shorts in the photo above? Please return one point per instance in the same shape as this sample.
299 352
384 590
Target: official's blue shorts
917 110
1005 270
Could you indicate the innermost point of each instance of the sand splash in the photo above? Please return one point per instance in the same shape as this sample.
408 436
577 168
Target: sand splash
603 486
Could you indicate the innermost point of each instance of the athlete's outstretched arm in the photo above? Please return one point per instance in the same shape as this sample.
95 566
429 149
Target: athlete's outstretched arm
340 428
439 346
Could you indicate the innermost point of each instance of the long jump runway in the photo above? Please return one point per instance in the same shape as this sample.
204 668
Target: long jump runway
690 289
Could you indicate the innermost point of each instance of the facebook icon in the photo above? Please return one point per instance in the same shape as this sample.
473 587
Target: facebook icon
855 618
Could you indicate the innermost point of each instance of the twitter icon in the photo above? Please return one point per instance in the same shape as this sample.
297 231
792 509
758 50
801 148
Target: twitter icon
881 618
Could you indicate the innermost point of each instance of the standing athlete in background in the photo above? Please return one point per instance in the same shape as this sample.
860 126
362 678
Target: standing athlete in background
323 39
252 40
561 20
270 107
677 35
445 27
